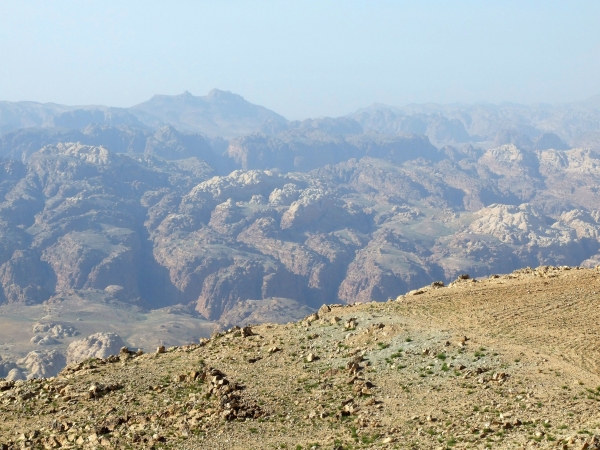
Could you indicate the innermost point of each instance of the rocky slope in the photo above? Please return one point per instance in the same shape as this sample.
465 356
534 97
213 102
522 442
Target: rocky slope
506 362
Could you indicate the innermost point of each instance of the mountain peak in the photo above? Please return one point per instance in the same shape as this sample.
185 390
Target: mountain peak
222 113
217 94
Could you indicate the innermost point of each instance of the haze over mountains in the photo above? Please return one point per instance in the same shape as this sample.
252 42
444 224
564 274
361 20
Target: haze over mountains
214 210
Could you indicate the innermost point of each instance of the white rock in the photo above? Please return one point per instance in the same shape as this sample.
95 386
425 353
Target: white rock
43 364
14 375
99 345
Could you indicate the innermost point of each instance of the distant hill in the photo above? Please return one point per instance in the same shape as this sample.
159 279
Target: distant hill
220 113
483 122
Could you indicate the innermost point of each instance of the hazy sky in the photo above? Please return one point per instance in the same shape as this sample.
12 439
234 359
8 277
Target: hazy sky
300 58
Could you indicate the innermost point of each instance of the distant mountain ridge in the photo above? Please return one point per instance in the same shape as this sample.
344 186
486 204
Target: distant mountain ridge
220 113
482 122
227 115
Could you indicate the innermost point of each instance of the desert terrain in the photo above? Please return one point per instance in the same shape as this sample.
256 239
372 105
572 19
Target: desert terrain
507 361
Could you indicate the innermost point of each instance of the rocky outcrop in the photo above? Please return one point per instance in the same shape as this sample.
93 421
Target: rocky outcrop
55 330
15 374
6 367
98 345
43 364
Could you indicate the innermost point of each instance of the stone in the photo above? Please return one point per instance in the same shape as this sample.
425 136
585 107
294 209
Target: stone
160 349
350 324
324 309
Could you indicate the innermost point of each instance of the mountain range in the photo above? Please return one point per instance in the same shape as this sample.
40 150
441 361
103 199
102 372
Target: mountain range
186 213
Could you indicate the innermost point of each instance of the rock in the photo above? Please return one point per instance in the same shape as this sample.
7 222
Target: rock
15 375
5 367
98 345
160 349
246 331
54 330
334 320
45 340
43 364
311 357
324 309
274 349
350 324
312 318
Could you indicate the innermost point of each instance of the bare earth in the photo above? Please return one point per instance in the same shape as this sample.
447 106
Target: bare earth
399 375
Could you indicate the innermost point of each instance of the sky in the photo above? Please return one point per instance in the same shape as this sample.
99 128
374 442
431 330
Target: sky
301 59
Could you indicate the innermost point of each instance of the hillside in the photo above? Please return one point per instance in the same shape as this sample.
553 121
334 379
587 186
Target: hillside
506 362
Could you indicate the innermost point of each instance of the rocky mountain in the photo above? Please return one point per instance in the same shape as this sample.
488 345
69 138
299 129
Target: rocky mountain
159 235
220 113
82 217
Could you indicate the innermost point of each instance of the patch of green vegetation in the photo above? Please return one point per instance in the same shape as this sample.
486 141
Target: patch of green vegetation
366 439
